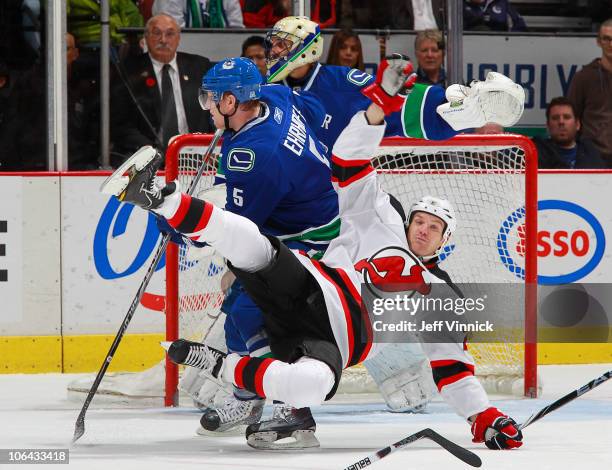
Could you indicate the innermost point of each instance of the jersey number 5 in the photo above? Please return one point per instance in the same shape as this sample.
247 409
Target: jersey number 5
237 197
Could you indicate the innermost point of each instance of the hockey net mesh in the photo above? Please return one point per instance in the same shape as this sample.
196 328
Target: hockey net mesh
486 183
199 269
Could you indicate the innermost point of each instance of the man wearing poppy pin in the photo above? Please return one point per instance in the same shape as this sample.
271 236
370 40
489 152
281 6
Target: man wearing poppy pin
162 99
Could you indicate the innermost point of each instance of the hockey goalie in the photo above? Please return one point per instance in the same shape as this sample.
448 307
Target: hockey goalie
313 309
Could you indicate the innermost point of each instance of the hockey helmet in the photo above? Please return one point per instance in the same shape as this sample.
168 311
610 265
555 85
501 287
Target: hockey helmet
238 76
293 42
441 208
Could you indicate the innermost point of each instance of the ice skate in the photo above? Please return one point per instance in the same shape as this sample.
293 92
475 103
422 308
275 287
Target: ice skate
295 427
195 354
134 180
232 418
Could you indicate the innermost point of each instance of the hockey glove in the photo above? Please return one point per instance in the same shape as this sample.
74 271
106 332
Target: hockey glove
394 79
496 430
175 236
496 99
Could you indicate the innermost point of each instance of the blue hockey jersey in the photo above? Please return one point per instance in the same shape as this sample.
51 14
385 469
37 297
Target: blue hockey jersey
277 173
339 89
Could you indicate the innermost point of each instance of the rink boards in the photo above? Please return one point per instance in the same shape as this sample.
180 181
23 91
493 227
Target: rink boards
72 259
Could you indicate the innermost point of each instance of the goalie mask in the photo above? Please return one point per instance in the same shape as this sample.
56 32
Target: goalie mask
440 208
293 42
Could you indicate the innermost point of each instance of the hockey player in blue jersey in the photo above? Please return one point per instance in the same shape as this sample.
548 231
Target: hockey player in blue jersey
277 174
293 48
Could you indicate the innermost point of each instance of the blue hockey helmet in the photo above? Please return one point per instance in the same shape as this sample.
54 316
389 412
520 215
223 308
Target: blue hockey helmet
238 76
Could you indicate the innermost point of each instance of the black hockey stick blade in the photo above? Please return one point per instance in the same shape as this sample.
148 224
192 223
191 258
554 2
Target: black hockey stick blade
564 400
79 426
460 452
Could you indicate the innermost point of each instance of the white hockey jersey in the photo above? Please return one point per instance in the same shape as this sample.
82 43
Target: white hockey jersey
372 248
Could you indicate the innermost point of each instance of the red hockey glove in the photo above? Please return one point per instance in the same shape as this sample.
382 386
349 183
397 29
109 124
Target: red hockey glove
496 430
394 79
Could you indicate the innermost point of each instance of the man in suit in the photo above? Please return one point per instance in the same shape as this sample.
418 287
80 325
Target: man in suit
164 88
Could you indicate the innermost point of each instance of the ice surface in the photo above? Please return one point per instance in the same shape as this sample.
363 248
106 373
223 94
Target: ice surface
34 413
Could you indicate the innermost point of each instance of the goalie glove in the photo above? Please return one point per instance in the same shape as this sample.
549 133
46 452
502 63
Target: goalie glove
394 79
496 430
497 99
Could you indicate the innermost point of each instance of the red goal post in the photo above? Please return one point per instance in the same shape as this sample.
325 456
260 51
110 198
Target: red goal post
499 169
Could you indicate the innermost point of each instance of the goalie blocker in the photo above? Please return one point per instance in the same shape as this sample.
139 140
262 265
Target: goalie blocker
495 100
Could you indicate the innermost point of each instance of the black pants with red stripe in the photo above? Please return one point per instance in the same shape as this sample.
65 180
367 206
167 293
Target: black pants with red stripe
295 315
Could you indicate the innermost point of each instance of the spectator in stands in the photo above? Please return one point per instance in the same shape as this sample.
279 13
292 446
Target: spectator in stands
202 13
491 15
591 94
429 51
394 14
145 7
6 86
84 24
563 148
254 48
345 49
324 12
264 13
83 113
164 87
599 10
23 131
16 50
84 20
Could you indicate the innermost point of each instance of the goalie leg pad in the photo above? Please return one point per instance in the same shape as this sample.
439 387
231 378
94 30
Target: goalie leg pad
403 376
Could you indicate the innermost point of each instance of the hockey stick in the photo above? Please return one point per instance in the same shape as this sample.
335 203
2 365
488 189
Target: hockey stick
79 427
461 453
566 399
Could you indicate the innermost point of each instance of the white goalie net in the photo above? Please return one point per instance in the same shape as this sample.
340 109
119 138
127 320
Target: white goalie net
487 186
486 182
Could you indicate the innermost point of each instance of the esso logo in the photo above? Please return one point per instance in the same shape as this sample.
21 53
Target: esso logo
570 242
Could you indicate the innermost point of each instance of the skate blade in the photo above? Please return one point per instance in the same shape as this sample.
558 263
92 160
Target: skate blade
232 432
116 183
301 439
165 344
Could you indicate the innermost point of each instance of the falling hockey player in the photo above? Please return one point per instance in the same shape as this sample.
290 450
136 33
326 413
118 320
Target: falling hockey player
293 48
276 174
313 309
